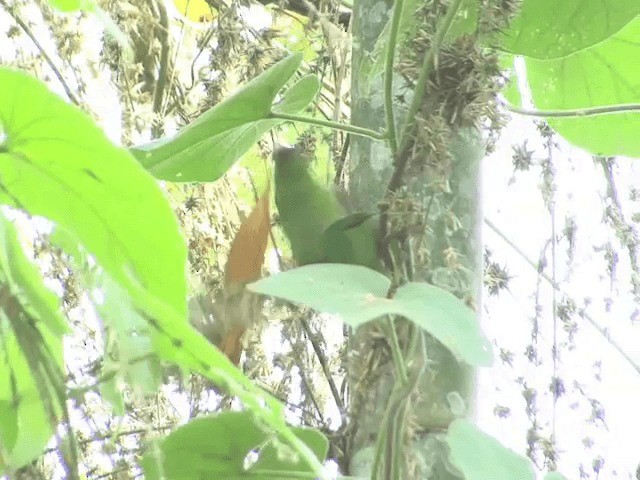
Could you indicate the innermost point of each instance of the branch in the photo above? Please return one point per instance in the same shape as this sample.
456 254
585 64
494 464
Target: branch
325 368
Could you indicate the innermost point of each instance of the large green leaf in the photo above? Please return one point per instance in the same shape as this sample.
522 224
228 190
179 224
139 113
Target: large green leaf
356 293
56 163
546 29
271 460
447 318
204 150
481 457
299 95
359 295
554 476
218 446
25 425
177 342
25 281
603 75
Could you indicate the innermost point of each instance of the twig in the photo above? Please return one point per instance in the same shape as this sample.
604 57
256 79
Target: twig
307 386
627 234
158 93
56 72
325 367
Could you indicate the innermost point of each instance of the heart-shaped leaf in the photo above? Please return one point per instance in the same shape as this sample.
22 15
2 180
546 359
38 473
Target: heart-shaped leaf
598 76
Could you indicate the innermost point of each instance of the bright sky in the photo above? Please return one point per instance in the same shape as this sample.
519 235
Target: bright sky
517 209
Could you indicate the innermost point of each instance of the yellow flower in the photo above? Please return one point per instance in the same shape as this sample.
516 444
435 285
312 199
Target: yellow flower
195 10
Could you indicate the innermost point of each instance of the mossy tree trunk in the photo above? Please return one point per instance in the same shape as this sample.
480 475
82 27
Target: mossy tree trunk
429 196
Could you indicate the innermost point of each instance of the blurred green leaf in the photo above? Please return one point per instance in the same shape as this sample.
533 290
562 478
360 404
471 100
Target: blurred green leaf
546 29
218 447
178 342
481 457
26 283
55 162
554 476
69 5
271 459
110 391
31 331
601 75
130 349
8 426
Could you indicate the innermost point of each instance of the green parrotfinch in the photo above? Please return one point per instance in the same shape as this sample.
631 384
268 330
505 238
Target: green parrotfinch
313 219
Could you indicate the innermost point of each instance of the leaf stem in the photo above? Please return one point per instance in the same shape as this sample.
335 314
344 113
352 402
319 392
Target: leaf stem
574 112
365 132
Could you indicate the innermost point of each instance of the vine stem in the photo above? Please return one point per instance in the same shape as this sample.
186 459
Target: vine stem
396 352
388 75
427 67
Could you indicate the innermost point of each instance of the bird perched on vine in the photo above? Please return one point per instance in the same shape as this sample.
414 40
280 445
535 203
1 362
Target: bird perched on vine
315 221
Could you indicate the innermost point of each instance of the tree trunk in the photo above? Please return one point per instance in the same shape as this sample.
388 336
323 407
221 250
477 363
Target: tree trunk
433 224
